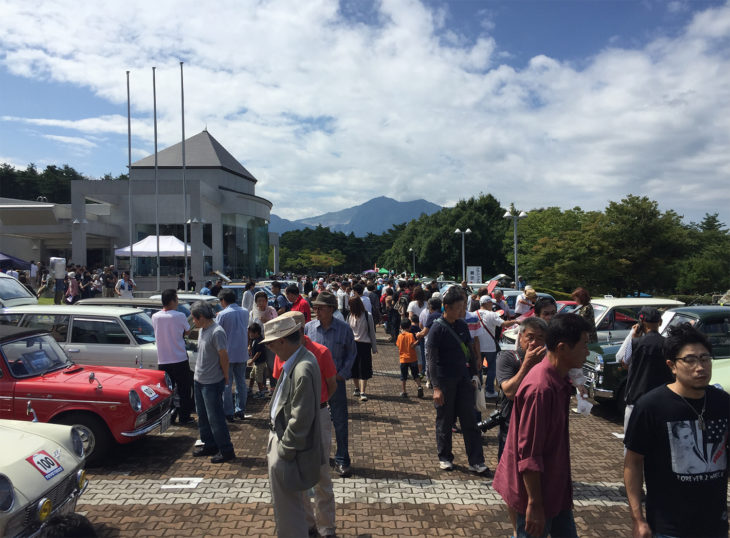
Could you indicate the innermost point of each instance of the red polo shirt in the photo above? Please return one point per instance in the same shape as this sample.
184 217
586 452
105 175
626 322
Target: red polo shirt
324 359
538 440
301 305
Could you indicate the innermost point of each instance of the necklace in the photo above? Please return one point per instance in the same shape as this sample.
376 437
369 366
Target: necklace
700 416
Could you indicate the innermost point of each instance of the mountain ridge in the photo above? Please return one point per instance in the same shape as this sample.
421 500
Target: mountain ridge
374 216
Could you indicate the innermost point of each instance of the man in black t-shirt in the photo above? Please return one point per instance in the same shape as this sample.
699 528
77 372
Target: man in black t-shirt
677 438
648 367
450 367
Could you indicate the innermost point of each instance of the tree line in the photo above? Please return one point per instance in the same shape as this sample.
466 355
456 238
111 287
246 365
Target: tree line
630 247
53 184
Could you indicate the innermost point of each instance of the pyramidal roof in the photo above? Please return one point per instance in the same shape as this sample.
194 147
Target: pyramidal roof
201 151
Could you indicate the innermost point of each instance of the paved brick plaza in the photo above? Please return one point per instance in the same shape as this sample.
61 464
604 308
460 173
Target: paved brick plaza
155 486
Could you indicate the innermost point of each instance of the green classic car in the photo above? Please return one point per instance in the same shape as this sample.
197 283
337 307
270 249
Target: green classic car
614 319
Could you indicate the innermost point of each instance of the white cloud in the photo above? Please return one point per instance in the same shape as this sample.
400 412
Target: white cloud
410 107
75 141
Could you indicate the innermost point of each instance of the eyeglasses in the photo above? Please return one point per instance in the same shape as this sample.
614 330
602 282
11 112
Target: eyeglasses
694 360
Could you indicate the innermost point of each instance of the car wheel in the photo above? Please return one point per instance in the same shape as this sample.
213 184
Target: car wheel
94 433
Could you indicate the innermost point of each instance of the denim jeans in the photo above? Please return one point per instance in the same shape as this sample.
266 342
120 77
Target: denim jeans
237 373
211 418
559 526
338 410
422 356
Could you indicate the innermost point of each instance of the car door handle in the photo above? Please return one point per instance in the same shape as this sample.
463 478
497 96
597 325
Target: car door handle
73 350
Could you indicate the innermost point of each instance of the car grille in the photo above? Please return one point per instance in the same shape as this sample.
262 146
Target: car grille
154 413
25 523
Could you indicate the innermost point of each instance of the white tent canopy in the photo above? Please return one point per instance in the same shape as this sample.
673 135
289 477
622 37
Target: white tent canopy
170 246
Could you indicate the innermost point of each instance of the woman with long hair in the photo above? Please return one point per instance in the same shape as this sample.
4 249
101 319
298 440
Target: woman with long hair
585 310
363 327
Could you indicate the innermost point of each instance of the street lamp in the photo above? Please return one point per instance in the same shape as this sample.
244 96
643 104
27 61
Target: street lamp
414 260
463 255
512 213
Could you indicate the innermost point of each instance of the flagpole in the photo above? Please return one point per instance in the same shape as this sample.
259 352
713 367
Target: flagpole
157 187
129 179
185 197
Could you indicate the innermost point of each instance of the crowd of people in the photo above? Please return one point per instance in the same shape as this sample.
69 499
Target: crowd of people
448 340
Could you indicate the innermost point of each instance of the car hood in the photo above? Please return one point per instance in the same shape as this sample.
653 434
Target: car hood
112 378
23 440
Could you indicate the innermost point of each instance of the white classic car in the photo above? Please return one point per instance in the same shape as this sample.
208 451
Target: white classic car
41 474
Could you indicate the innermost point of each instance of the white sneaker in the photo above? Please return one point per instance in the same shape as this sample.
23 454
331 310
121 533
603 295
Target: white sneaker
363 398
446 465
478 468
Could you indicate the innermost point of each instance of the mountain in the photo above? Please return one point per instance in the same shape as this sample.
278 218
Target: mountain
374 216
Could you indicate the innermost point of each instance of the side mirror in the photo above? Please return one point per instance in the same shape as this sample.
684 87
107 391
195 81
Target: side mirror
92 378
29 409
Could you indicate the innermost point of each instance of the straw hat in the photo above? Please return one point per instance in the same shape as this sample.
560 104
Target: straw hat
282 326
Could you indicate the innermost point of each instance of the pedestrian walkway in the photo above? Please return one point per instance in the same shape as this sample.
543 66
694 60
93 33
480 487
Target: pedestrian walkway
155 486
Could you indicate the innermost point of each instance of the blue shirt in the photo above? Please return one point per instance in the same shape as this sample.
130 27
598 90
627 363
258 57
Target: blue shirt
204 291
338 338
234 321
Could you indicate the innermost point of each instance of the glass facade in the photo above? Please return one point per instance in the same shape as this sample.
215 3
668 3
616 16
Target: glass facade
245 245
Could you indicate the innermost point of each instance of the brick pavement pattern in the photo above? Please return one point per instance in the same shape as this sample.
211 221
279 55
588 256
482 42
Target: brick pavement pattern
155 486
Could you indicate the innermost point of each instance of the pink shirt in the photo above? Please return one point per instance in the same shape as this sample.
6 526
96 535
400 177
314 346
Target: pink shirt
538 440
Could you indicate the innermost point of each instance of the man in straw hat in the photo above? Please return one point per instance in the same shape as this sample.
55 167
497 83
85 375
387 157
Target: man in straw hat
294 452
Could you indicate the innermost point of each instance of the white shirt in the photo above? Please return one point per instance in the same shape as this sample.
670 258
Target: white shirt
522 305
33 270
342 299
248 300
125 289
491 321
169 327
413 308
366 303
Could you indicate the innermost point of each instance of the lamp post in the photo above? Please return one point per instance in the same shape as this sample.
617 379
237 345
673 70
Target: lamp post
463 254
414 259
513 214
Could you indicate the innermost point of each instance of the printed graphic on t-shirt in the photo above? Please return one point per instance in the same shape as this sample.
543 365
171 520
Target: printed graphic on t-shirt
698 455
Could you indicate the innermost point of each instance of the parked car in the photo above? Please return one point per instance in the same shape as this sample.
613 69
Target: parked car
13 293
150 306
92 335
105 404
614 319
189 298
714 322
566 307
42 474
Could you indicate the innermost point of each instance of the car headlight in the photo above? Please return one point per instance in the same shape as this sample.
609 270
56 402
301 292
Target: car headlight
599 363
81 479
135 401
77 442
44 509
168 382
7 494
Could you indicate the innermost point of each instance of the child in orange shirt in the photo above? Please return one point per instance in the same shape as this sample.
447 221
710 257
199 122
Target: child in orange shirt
408 358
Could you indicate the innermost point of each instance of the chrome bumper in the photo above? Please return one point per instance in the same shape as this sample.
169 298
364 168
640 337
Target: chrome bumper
154 425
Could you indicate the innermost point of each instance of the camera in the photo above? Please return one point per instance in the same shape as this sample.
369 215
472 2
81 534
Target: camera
495 419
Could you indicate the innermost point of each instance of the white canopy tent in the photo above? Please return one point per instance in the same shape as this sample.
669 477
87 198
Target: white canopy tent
170 246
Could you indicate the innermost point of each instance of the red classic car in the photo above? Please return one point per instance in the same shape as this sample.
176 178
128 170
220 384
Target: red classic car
107 404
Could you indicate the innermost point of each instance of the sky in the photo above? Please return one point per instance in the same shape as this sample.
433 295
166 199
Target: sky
331 103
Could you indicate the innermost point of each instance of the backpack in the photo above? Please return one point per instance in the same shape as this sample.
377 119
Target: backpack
402 304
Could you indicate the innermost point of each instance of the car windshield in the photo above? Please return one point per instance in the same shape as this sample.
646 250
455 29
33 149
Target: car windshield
598 311
140 326
33 356
12 289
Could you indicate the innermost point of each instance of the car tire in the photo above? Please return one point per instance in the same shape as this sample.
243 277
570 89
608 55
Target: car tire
94 433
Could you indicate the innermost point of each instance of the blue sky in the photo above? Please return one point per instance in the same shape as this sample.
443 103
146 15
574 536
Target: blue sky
538 102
